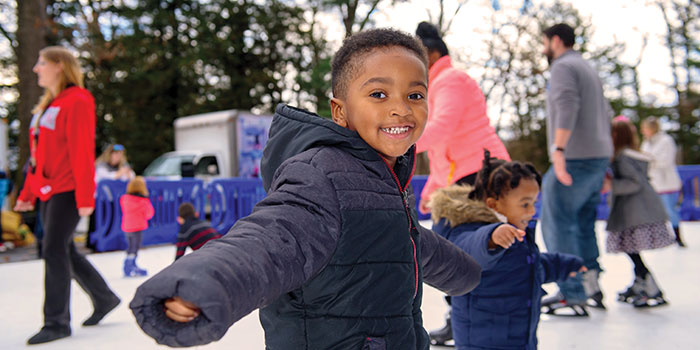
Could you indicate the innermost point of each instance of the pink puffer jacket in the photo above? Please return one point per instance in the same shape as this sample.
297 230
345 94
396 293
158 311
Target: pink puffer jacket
136 211
458 127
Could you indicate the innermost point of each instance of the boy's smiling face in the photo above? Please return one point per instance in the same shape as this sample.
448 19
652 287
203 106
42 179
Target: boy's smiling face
386 101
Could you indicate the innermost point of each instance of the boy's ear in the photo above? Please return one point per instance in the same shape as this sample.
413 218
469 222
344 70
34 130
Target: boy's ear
338 112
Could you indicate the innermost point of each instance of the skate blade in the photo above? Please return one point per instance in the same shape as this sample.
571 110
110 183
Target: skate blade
652 302
595 304
446 344
566 311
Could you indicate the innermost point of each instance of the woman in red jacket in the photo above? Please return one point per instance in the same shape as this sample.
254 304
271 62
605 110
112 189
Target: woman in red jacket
136 211
60 175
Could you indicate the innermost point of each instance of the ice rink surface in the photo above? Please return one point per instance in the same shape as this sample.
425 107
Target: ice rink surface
674 326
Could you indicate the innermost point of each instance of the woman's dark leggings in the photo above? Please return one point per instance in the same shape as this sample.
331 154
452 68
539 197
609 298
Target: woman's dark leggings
59 217
640 270
134 239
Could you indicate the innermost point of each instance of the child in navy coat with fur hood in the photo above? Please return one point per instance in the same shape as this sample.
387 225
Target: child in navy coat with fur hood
490 223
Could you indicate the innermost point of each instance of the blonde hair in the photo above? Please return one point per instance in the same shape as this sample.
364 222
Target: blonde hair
651 123
137 186
72 74
107 154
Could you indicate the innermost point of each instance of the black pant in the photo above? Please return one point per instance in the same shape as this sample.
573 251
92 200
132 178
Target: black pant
134 240
59 217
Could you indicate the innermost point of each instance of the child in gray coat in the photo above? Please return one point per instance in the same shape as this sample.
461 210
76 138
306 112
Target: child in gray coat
637 219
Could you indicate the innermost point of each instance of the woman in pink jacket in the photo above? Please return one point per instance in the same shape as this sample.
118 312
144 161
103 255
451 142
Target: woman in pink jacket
457 132
458 128
136 211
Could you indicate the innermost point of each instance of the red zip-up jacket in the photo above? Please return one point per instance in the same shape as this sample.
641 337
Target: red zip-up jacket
65 149
136 211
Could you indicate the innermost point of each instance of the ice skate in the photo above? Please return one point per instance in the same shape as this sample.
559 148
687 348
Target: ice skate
130 268
590 285
633 292
651 295
443 336
557 305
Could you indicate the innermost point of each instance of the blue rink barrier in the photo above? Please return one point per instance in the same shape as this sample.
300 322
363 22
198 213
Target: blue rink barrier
232 199
166 196
690 194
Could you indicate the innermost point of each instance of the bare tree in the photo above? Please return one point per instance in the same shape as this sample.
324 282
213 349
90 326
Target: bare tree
440 19
353 20
683 42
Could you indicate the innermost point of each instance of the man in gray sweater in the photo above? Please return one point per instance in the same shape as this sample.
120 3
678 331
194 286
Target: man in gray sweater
578 131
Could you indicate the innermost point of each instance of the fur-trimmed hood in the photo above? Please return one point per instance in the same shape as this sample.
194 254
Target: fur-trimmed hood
453 204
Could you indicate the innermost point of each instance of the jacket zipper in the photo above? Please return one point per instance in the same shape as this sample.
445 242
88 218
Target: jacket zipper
404 199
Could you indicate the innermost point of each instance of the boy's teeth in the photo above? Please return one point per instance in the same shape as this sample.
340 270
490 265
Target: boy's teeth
395 130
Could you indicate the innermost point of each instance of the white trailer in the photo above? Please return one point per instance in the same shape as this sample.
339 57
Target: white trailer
218 144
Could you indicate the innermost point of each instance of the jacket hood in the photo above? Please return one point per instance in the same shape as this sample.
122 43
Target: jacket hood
294 131
453 204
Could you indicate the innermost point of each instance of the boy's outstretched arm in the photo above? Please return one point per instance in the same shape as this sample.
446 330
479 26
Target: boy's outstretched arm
558 266
446 266
289 237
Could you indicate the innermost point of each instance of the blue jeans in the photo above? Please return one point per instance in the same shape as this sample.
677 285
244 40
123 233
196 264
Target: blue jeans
670 201
569 215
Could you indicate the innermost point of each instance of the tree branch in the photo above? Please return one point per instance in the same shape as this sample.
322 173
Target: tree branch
369 13
449 24
10 36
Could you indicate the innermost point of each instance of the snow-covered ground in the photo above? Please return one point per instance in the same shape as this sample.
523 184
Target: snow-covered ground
674 326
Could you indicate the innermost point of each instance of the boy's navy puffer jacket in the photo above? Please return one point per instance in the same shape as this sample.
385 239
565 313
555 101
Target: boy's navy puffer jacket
504 310
333 255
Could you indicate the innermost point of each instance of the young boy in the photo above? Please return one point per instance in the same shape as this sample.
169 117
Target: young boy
334 255
193 232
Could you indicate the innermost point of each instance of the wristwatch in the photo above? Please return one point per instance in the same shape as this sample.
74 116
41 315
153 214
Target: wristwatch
554 148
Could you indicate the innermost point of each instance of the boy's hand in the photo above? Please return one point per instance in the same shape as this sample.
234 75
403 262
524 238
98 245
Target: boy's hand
505 235
180 310
581 270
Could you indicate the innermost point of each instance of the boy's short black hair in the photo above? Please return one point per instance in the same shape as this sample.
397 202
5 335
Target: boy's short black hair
563 31
186 211
347 61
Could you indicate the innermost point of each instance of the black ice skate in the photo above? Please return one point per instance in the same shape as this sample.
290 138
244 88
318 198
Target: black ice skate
651 295
443 336
557 305
590 285
633 292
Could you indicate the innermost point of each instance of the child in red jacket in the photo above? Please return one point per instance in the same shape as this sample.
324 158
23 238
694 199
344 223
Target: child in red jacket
136 211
